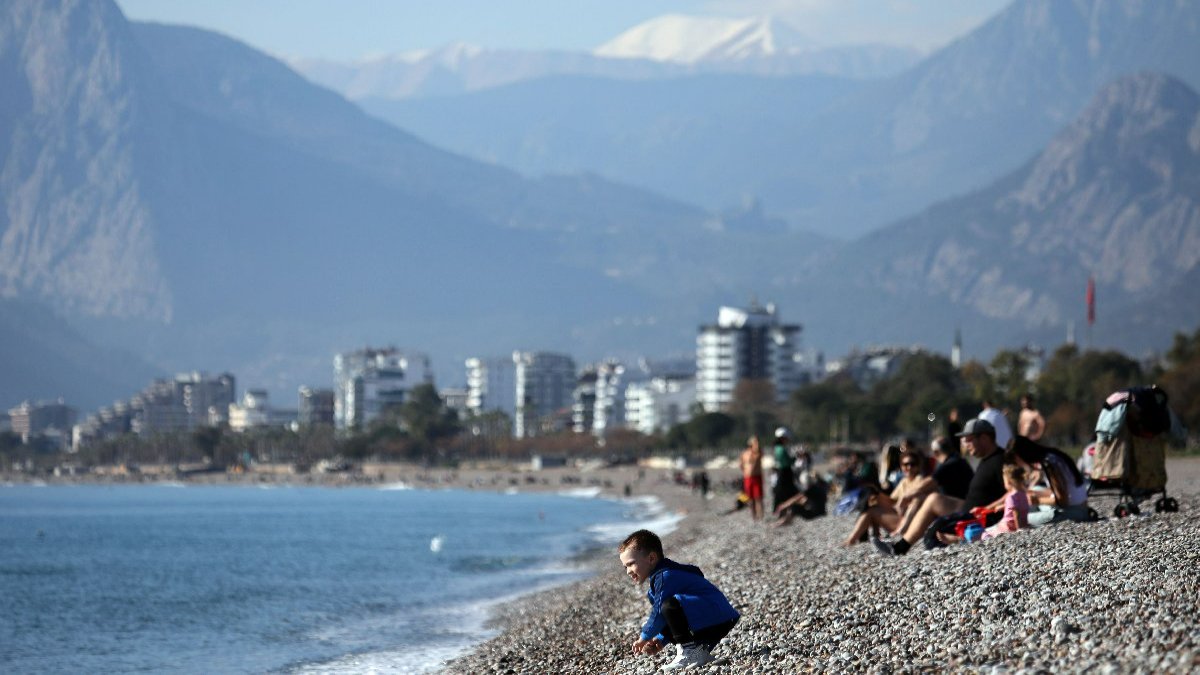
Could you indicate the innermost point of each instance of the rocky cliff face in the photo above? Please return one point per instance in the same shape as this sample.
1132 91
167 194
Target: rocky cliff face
75 226
1116 195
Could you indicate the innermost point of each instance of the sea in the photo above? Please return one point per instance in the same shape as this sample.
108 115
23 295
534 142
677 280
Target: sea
189 579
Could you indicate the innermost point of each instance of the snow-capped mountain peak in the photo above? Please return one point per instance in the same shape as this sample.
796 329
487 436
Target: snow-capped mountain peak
450 55
690 39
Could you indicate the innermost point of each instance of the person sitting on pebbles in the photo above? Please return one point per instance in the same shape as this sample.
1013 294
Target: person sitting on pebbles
685 608
1064 495
886 511
987 486
1015 504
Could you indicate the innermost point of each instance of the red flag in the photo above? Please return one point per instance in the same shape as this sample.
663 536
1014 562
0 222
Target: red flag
1091 301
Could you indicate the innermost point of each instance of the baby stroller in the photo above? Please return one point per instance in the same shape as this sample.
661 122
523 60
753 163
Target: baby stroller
1132 433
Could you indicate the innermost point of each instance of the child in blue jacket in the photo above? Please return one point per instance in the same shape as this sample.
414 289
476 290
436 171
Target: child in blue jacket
685 608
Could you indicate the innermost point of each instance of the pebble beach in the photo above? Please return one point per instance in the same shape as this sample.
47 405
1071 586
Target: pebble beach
1115 596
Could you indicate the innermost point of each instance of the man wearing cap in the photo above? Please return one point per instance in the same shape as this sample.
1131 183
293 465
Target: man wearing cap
785 478
987 486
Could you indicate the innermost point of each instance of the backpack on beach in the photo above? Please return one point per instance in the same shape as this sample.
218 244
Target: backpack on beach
1146 411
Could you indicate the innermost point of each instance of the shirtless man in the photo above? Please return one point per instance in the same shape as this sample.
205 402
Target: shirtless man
752 476
1030 424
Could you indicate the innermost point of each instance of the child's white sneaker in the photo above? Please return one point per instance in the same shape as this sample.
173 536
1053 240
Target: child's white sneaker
690 656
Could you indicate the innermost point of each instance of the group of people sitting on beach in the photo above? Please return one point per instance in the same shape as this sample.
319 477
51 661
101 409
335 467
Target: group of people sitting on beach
941 500
937 498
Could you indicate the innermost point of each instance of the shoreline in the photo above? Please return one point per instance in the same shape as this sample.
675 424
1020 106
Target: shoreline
1112 596
653 499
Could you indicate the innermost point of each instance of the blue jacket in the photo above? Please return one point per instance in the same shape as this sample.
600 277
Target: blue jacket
703 604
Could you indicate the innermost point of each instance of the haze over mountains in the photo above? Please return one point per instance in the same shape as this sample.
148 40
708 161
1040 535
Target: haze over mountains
1115 195
181 196
840 165
666 47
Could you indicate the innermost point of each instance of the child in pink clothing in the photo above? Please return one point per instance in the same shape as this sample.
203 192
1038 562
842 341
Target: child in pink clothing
1016 503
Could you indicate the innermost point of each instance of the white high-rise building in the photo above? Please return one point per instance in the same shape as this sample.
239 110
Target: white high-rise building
545 384
253 411
599 398
610 397
492 386
656 405
369 381
745 344
583 409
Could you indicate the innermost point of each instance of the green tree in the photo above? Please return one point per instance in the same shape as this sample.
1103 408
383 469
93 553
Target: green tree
1074 384
492 425
1008 369
206 441
815 409
925 383
979 381
426 418
708 430
1181 381
754 406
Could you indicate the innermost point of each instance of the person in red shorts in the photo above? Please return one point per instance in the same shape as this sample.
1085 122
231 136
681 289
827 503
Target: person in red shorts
752 476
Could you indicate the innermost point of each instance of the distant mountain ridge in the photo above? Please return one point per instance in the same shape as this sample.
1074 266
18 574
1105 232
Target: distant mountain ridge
667 47
689 39
1114 196
877 151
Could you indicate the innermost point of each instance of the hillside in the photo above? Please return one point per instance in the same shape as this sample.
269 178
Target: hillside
1115 195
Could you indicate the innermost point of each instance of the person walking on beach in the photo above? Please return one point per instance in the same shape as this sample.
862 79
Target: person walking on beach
685 608
752 477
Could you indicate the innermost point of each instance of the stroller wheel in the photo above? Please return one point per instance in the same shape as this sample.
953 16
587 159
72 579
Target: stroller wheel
1121 511
1093 516
1169 505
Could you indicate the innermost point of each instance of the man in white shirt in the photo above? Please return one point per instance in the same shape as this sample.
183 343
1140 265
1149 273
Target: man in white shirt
998 421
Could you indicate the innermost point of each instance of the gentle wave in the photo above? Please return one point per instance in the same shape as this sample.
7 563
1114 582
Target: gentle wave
458 629
581 493
399 485
646 513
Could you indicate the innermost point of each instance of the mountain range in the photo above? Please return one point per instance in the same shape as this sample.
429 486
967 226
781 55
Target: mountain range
850 156
1114 196
174 194
667 47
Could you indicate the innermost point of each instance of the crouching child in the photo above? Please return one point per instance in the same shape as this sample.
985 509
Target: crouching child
685 608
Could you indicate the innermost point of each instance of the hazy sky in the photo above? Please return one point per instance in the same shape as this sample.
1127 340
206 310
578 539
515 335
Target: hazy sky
348 29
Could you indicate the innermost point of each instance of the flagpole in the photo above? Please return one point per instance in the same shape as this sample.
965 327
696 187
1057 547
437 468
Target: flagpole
1091 308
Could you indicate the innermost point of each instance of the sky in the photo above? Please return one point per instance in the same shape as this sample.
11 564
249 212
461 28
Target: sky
345 30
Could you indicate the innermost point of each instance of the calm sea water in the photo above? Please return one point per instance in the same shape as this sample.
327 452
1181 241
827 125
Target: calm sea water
242 579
